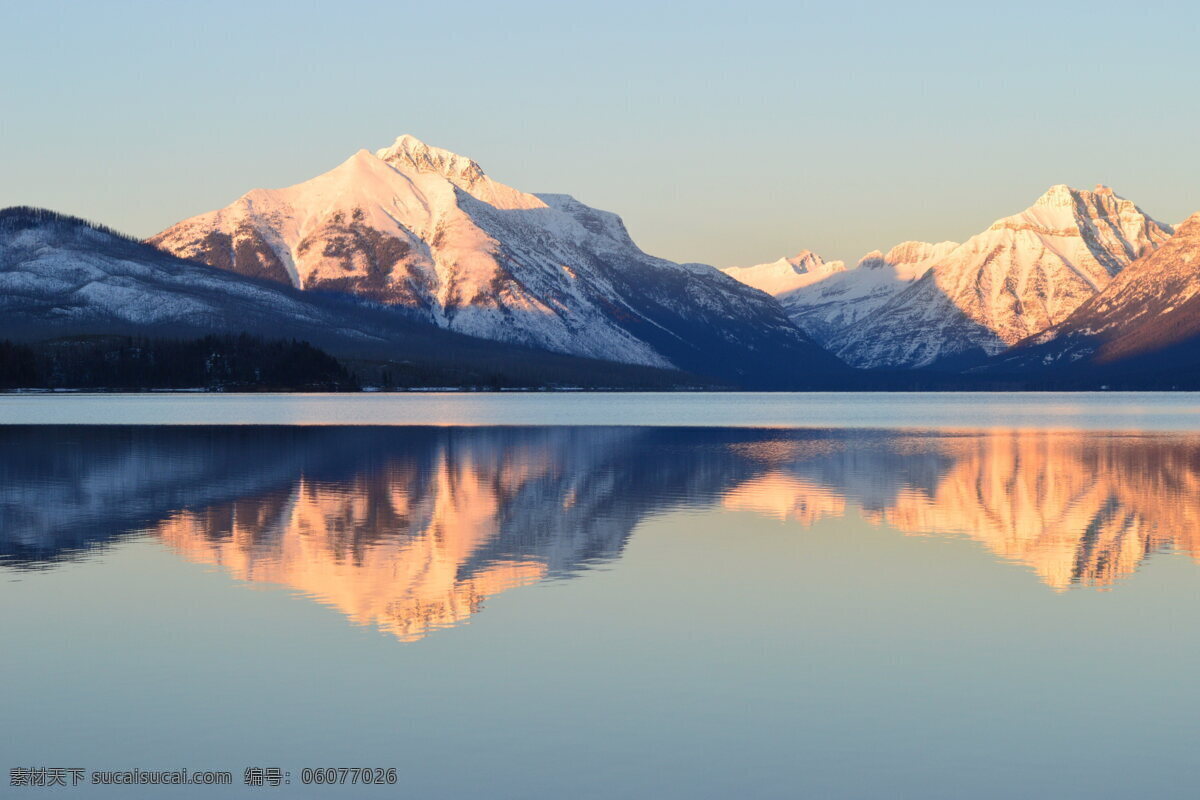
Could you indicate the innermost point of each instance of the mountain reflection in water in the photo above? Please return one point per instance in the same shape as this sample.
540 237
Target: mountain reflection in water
411 529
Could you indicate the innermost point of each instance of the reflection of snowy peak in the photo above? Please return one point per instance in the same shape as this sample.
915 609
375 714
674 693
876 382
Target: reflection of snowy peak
413 528
409 528
426 229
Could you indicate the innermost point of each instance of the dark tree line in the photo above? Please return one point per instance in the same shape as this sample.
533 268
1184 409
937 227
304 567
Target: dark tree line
19 218
230 362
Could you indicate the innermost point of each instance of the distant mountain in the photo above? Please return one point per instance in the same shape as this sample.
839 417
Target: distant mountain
1019 277
63 277
787 274
427 230
1146 322
827 299
951 304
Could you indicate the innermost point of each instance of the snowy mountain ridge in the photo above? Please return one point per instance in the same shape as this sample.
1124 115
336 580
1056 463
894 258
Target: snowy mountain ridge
827 298
923 305
787 274
427 230
1150 312
412 151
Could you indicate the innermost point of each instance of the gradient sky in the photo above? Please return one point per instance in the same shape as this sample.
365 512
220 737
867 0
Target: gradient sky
724 133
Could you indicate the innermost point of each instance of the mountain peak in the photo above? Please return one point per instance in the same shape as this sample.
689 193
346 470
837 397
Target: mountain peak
1067 212
1063 196
1057 196
872 260
1190 226
1024 274
807 261
409 151
786 274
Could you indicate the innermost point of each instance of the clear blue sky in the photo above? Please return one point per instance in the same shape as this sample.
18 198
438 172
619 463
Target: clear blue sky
724 133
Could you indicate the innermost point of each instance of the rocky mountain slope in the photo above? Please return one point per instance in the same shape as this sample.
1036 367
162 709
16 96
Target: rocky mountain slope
1019 277
427 230
1148 318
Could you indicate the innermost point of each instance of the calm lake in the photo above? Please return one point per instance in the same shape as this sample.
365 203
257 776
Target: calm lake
596 596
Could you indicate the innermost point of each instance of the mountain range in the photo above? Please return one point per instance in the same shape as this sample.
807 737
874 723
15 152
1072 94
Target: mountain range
412 256
826 299
943 305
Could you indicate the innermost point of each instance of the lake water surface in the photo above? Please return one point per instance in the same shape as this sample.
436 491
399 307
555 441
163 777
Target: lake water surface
671 596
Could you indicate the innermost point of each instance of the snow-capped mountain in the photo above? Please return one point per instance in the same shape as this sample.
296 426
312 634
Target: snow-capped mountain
826 298
1148 318
1022 275
426 229
787 274
62 276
